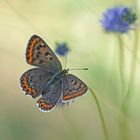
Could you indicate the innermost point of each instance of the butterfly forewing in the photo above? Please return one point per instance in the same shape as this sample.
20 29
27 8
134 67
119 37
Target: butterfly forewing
39 54
73 87
51 96
34 80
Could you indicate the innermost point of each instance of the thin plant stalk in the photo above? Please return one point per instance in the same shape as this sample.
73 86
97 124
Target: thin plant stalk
132 76
125 132
126 103
133 64
105 131
121 62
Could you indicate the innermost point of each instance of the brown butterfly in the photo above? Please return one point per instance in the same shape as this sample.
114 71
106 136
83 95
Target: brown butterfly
48 79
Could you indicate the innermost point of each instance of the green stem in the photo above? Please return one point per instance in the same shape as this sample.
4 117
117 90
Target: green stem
123 122
125 133
126 103
133 64
131 83
100 114
121 62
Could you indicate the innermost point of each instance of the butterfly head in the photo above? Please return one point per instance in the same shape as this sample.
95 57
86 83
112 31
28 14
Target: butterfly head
65 71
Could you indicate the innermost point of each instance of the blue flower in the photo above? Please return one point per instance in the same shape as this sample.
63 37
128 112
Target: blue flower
61 49
119 19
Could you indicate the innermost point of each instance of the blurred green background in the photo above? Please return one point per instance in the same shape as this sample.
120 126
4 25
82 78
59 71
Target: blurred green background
76 22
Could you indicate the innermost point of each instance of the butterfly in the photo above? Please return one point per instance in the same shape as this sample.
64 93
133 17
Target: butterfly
47 79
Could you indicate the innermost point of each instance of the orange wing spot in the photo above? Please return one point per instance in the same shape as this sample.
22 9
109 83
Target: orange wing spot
26 87
43 105
30 49
68 97
34 41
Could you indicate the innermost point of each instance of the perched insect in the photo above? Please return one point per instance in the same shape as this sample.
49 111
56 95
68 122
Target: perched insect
48 79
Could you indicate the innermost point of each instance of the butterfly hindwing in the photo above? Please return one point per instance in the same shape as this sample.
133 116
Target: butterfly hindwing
34 80
39 54
73 87
50 96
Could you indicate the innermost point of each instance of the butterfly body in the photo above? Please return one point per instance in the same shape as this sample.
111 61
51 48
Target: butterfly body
59 76
48 79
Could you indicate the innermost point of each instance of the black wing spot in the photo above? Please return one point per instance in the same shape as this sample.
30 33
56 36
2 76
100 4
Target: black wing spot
38 48
38 52
70 90
47 53
50 58
74 83
73 89
77 89
41 61
37 56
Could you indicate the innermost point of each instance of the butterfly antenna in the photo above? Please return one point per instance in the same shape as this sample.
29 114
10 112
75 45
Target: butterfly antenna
80 69
66 57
